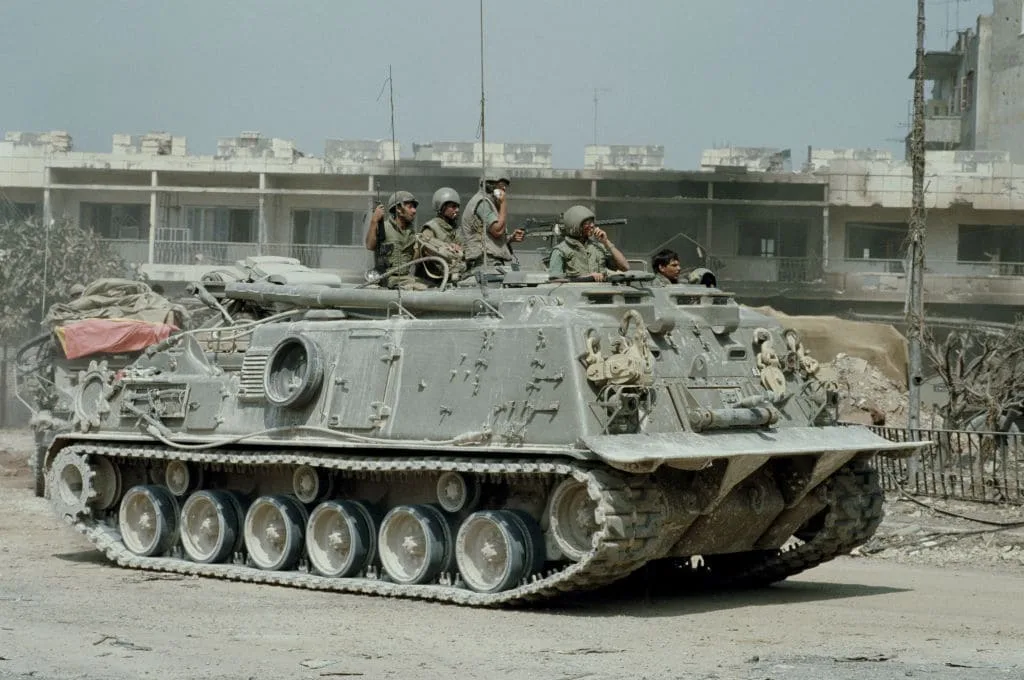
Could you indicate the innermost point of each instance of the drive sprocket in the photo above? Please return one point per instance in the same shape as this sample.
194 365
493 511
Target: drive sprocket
70 481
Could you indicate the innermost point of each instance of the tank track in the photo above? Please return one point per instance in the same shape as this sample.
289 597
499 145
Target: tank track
630 511
853 515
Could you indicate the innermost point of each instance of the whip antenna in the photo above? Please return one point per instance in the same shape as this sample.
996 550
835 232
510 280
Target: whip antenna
483 137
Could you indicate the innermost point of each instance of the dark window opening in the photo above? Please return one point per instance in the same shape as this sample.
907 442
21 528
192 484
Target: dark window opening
999 245
875 240
116 221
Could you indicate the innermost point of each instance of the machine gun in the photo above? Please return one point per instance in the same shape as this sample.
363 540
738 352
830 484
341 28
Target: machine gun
553 228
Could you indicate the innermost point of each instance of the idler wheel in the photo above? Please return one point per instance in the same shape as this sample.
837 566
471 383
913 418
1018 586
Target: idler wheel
148 520
572 519
415 544
210 526
341 538
495 550
274 532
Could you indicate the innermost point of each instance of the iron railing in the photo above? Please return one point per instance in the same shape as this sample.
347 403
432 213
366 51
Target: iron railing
767 269
958 464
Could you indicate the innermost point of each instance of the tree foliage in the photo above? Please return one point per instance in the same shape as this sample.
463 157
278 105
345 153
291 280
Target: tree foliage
39 266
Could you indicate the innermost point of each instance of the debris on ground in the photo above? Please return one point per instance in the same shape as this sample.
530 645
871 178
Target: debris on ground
869 397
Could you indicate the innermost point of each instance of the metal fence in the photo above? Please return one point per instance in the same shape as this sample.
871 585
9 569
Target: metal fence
958 464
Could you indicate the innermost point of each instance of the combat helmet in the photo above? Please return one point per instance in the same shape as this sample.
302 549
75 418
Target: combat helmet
399 197
445 195
573 219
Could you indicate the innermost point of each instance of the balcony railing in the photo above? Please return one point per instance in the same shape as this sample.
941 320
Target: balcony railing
227 252
767 269
728 268
936 266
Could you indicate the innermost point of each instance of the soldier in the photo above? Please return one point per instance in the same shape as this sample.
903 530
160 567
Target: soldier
665 264
484 225
439 236
393 239
585 251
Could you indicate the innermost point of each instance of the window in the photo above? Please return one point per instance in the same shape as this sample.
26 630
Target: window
322 227
875 240
11 212
233 225
758 239
987 243
116 220
773 238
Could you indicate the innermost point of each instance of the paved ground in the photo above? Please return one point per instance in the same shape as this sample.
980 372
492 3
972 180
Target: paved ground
65 613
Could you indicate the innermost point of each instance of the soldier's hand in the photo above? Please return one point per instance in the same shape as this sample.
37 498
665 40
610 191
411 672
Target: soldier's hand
518 235
598 277
378 214
600 235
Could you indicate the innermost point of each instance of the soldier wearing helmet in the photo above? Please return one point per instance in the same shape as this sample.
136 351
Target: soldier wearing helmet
585 251
439 236
484 226
392 237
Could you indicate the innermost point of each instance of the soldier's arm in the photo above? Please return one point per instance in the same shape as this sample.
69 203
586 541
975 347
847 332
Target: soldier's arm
617 258
495 221
371 231
556 265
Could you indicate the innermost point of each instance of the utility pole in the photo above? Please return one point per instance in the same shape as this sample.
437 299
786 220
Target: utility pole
914 309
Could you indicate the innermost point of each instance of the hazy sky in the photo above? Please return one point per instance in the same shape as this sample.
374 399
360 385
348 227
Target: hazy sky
687 74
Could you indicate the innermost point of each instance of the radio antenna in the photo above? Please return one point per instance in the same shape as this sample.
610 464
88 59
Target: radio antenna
483 136
394 146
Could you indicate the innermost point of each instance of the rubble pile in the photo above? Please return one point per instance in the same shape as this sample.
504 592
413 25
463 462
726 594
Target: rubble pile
869 396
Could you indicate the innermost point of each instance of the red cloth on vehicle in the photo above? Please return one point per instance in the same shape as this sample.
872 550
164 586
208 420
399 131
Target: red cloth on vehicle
110 336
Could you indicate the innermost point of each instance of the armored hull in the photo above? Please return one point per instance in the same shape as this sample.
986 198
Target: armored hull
485 445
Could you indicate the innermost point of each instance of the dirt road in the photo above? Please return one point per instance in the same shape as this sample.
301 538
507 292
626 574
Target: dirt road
64 613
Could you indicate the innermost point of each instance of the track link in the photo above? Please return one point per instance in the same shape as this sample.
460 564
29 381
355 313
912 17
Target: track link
629 512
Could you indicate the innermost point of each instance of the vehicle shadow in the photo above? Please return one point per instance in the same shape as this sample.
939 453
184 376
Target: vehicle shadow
640 597
90 556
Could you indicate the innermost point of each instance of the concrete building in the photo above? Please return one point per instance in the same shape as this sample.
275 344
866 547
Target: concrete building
827 238
975 100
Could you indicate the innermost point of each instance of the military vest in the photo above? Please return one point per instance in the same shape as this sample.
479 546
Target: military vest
475 239
661 280
580 259
403 242
441 230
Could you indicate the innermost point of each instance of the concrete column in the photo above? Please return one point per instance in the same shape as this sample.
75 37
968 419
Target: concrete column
47 199
261 215
152 216
708 222
825 225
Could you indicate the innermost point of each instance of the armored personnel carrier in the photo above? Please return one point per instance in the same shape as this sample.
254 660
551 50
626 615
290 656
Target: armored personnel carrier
494 443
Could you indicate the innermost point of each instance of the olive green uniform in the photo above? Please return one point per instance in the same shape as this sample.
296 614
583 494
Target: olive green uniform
661 280
572 258
474 237
441 230
402 252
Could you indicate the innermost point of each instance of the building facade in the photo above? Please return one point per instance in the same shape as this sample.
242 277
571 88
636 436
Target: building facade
829 237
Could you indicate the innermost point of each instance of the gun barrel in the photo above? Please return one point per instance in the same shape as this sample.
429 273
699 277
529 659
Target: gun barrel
612 222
